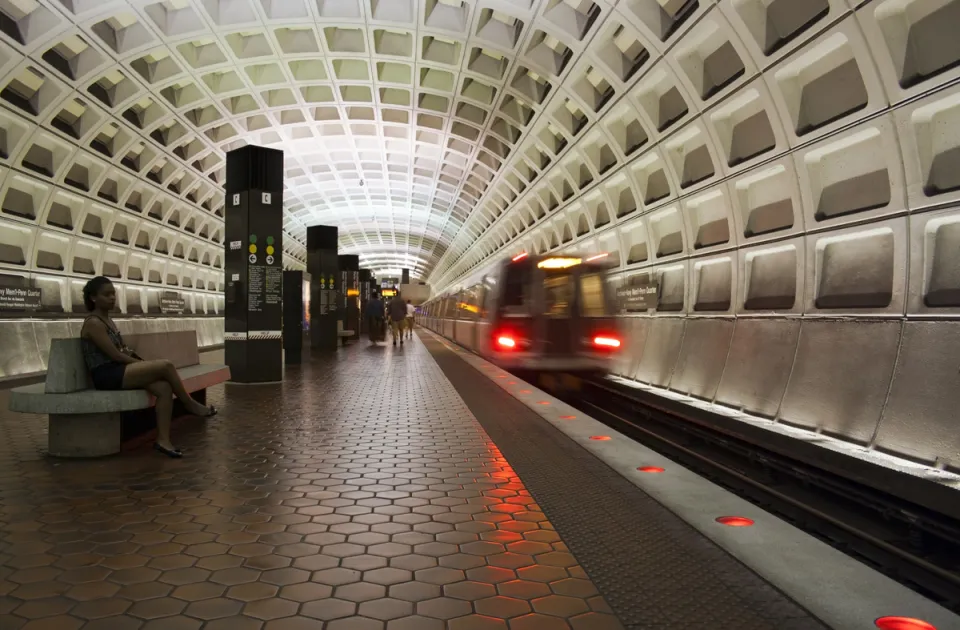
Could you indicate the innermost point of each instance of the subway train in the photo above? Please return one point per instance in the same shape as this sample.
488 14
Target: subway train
551 316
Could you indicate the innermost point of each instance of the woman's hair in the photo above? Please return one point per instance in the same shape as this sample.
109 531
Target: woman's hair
91 288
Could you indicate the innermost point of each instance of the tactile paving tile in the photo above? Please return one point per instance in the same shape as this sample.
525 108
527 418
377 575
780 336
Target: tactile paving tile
361 493
654 570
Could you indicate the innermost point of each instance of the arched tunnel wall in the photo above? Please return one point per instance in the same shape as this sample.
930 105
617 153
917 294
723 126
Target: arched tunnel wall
787 173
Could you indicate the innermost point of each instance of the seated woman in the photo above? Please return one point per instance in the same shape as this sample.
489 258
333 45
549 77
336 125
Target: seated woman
113 366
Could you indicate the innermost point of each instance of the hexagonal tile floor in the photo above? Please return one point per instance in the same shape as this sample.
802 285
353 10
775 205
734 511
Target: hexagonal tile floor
361 493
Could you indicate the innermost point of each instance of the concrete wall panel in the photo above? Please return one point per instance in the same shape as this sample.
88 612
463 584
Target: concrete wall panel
921 420
634 333
841 376
703 354
759 364
25 345
661 350
19 353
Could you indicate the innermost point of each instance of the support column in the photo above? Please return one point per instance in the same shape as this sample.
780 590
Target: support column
253 265
365 283
296 314
324 272
404 276
350 292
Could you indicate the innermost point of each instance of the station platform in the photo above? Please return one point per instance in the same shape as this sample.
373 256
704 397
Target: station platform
376 488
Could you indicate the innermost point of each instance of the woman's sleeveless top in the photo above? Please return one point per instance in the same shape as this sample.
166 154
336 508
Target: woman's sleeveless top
93 356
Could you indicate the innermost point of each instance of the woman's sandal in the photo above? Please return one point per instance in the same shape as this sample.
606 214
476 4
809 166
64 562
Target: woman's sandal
174 453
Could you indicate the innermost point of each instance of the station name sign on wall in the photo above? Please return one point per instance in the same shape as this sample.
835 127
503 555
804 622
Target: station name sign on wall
172 304
19 299
638 294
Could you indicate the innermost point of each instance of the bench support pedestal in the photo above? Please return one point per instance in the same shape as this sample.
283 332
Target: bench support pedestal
84 435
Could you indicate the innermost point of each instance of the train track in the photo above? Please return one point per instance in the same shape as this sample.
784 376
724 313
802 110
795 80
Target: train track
911 544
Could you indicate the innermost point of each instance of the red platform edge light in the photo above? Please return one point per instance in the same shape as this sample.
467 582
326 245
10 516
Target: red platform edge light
543 402
903 623
735 521
519 256
650 469
567 417
600 437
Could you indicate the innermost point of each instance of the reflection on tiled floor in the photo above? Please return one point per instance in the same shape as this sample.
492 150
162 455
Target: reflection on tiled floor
359 494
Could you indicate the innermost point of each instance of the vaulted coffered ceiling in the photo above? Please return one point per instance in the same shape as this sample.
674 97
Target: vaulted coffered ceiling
433 133
394 115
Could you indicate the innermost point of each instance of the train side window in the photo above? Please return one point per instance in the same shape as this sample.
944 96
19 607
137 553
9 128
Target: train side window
489 296
480 295
558 293
470 304
592 303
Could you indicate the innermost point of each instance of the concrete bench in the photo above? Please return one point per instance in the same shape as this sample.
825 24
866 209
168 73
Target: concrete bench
343 334
84 422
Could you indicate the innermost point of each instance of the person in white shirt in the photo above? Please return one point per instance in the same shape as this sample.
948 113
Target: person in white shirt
411 311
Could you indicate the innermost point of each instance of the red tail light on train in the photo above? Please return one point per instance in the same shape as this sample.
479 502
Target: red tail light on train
606 341
511 337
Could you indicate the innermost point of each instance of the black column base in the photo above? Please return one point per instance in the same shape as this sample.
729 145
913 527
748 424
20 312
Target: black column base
254 360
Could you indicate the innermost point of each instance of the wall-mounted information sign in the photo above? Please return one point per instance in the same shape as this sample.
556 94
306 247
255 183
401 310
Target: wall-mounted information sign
172 303
19 299
638 294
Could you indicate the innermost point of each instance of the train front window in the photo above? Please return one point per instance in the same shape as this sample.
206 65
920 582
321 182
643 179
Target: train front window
516 290
592 302
558 295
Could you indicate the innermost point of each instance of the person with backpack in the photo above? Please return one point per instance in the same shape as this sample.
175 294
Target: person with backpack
397 310
375 318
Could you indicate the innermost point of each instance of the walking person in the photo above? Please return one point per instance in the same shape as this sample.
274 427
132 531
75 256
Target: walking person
114 366
375 318
397 310
411 313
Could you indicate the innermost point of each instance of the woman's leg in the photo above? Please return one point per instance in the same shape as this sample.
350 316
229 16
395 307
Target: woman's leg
164 408
143 373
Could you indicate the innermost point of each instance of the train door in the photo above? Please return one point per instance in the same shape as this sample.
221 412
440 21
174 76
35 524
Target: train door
514 314
466 314
480 295
450 315
598 329
488 311
576 314
558 319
